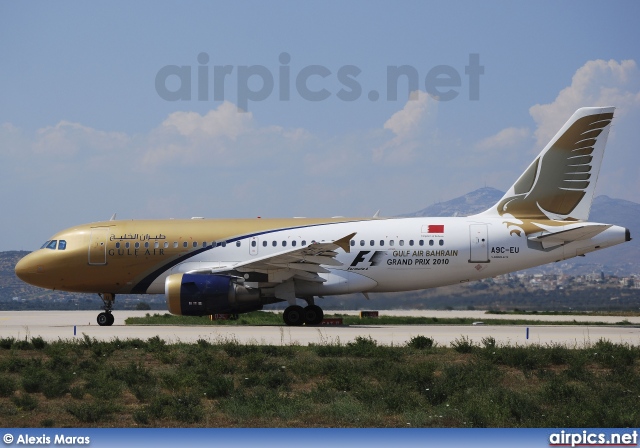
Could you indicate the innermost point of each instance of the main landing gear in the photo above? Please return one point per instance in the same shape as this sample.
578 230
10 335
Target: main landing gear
106 319
296 315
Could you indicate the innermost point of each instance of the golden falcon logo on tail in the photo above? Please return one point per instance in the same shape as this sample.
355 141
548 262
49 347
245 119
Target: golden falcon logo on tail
558 186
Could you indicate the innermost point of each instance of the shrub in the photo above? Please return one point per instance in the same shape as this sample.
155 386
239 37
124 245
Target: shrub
613 355
219 386
420 342
362 347
25 402
463 345
23 345
141 416
489 342
38 343
91 412
7 343
7 386
77 392
56 387
35 380
185 408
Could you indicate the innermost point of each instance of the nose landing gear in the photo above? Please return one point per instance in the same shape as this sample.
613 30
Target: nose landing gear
106 318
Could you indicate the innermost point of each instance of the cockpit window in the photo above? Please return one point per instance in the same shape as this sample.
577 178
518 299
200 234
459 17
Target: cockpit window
62 245
45 244
52 244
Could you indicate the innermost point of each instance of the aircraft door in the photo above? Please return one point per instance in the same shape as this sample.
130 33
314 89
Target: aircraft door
98 246
254 243
479 243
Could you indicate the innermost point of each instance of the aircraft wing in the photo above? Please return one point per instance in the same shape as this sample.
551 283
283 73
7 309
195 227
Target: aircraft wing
304 263
567 236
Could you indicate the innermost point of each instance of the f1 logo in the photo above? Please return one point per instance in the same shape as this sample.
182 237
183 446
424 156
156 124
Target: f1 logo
373 259
360 257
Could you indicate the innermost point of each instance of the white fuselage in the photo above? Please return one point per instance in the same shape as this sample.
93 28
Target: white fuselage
400 254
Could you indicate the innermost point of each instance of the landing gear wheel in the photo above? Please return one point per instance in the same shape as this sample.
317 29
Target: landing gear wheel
105 319
294 316
313 315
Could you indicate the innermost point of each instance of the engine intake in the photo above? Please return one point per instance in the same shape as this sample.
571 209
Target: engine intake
201 295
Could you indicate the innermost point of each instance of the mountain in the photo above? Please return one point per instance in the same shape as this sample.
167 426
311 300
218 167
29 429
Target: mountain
470 204
620 260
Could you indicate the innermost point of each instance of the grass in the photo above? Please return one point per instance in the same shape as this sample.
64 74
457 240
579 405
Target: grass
627 313
136 383
262 318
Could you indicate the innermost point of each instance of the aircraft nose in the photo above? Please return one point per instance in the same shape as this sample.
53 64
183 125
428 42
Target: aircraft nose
27 268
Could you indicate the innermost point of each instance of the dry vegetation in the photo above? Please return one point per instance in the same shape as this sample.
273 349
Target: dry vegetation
136 383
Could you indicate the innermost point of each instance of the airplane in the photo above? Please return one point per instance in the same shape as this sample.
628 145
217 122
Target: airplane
232 266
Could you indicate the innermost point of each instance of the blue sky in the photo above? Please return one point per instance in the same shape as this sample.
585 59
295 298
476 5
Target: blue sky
84 132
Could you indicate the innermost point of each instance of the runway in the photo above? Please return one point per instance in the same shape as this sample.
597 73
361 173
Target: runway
69 325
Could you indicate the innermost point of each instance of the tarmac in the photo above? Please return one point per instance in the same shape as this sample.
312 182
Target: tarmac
72 325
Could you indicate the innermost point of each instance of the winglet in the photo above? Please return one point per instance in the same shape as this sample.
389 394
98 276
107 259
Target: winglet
113 217
377 214
344 242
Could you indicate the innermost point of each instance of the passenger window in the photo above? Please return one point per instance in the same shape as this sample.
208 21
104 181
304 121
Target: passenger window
224 244
146 244
401 242
372 243
238 243
430 242
362 242
304 242
156 245
195 244
293 243
204 244
184 244
137 245
127 244
166 244
274 243
353 243
62 245
52 244
264 244
441 242
390 242
175 244
284 243
118 245
253 243
422 242
410 242
381 243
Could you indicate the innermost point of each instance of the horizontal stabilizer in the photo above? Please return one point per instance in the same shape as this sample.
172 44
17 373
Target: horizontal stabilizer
567 236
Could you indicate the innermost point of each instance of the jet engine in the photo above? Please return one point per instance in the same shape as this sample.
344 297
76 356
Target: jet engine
201 295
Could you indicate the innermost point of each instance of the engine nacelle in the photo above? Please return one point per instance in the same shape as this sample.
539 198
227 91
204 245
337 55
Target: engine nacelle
201 295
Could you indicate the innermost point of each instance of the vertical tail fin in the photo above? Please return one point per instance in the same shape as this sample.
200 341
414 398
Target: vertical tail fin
559 184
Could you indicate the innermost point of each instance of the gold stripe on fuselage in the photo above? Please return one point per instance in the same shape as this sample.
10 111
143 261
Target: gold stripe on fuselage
122 257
